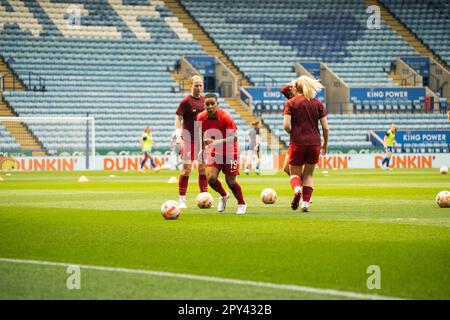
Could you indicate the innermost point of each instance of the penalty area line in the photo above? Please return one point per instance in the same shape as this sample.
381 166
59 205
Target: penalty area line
288 287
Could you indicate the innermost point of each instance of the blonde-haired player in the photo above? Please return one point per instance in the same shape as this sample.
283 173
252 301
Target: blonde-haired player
186 114
289 91
302 114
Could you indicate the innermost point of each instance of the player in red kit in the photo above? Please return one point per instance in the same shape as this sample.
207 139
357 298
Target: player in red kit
302 115
221 151
289 91
187 112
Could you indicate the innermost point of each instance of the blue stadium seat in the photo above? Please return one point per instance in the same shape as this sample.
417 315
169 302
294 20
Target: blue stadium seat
429 20
124 83
258 35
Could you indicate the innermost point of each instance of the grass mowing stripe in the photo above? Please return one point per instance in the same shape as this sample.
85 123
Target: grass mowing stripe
330 292
359 218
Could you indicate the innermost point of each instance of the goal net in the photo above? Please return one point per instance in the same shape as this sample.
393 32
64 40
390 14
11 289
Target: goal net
48 137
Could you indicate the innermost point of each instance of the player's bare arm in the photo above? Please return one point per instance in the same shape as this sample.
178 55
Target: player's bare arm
325 133
178 126
287 123
214 142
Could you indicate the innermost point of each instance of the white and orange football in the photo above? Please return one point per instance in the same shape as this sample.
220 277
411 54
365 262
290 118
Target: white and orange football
204 200
170 210
268 196
443 199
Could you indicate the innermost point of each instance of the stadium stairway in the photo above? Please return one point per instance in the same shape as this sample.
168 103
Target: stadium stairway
272 140
20 133
212 49
243 111
180 78
11 81
202 37
416 43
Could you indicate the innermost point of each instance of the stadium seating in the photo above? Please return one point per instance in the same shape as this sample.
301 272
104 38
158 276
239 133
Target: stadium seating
120 119
387 106
265 38
429 20
123 82
7 142
350 131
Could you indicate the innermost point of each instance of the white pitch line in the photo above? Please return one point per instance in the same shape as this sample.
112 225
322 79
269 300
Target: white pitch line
289 287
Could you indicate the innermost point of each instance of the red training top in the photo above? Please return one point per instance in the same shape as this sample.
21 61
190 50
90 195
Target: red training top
189 108
305 115
219 128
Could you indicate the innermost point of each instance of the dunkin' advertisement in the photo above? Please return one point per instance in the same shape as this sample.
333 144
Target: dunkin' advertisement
269 162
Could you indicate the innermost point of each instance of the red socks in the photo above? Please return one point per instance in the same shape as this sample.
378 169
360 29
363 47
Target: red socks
203 183
237 191
182 185
307 192
183 182
296 183
217 186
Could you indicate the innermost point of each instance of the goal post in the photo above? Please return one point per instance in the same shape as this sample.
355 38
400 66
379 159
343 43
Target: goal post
49 136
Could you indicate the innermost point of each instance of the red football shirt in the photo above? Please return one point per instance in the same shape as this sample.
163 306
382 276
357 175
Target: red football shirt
219 128
305 115
189 108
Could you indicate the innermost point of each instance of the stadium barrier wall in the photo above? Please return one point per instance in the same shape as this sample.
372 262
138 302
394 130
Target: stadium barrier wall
271 163
410 76
307 69
439 79
420 64
247 99
337 91
312 68
205 65
187 69
227 81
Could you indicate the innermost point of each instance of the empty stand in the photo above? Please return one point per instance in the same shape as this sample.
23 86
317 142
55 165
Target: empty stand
265 38
8 143
119 77
429 20
352 131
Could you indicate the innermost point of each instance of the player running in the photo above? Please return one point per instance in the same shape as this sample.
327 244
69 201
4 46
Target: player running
301 116
389 143
289 91
187 112
146 145
220 151
253 147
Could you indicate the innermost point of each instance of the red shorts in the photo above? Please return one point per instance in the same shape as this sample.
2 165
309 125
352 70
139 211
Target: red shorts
228 166
299 155
189 152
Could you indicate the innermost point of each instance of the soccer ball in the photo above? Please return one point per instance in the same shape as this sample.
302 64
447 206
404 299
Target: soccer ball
170 210
444 170
268 196
204 200
443 199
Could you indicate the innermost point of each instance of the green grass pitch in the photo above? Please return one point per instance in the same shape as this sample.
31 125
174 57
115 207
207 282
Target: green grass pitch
358 218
